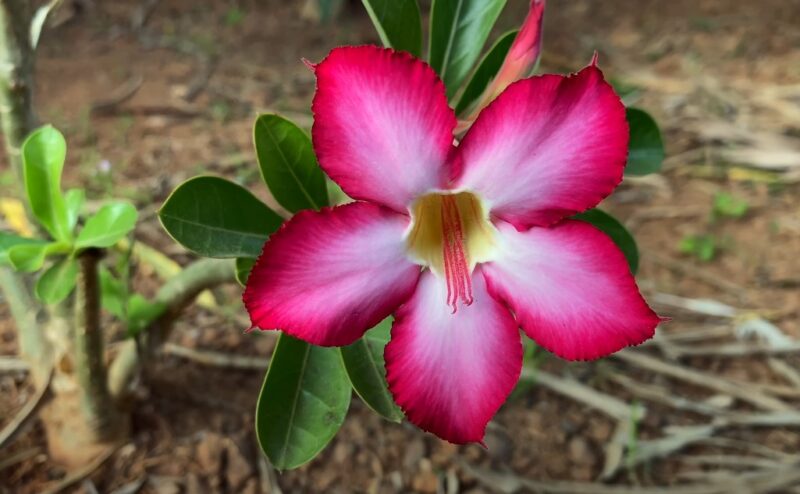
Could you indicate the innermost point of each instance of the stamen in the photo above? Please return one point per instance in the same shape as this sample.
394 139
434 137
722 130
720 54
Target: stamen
456 267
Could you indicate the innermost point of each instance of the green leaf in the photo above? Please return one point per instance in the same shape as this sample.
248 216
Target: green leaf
646 149
43 155
108 226
703 247
73 200
113 294
243 267
303 402
29 257
55 284
459 29
618 233
288 164
364 363
486 72
214 217
9 240
726 204
398 24
141 312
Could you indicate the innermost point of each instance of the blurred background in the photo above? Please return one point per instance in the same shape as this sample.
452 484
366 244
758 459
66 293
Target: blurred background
149 93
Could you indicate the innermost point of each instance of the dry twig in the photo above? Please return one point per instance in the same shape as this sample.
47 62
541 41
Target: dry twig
698 273
217 359
698 378
81 473
611 406
13 364
760 482
26 414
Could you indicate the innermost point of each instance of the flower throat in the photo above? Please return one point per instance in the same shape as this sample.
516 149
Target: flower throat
450 234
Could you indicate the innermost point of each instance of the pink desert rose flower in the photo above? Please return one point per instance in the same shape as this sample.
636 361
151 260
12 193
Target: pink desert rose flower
463 244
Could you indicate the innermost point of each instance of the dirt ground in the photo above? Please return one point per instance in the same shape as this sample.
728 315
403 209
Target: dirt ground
717 392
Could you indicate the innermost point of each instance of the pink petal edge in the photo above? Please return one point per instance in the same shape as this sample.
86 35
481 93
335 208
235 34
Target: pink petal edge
382 127
450 373
548 147
571 290
326 277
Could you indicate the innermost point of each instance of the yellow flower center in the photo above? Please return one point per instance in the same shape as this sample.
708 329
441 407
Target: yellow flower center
450 234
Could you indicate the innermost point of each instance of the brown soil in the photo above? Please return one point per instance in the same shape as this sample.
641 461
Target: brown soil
698 65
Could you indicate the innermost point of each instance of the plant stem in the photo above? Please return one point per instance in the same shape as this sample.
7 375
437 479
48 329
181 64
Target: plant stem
97 406
16 79
175 295
30 333
17 119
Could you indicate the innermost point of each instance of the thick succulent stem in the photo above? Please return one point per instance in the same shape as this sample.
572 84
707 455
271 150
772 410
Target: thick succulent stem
175 295
96 403
32 343
17 120
16 78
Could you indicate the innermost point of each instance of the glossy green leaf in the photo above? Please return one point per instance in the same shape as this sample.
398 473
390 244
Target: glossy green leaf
303 402
43 155
108 226
214 217
74 200
9 240
58 281
459 29
29 257
113 294
243 267
398 23
618 233
486 72
646 149
364 363
288 164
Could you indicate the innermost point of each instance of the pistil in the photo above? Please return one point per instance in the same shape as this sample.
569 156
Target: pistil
456 266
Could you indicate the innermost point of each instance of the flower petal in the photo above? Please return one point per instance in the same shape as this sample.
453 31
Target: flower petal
382 128
328 276
451 372
546 148
570 288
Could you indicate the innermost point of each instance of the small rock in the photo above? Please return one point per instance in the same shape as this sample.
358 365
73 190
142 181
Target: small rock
499 445
250 487
194 485
600 430
414 452
239 469
209 453
396 479
579 451
426 480
342 452
163 485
